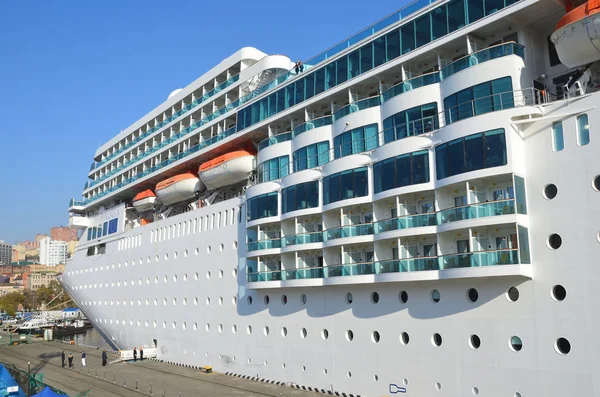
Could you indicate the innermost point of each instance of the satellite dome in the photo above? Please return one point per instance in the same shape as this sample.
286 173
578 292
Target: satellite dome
177 91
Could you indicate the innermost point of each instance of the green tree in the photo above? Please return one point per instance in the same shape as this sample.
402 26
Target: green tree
44 294
11 301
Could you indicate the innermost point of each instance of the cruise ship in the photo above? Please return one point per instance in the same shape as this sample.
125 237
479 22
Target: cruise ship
414 211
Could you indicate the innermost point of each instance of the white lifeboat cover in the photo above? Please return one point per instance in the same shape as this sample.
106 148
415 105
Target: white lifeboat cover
228 172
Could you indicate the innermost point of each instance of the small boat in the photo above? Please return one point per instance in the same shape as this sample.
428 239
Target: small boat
144 201
179 188
577 35
228 169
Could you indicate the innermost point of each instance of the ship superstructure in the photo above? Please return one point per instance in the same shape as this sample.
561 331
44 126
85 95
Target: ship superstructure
412 211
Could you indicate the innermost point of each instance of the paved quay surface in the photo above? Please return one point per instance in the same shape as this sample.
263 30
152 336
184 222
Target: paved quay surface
45 358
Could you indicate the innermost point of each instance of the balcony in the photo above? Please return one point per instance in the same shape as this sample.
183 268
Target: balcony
263 245
478 259
312 124
275 139
302 238
487 54
357 106
474 211
406 222
411 84
481 259
348 231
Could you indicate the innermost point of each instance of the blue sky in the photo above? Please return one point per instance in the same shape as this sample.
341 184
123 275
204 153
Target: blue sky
75 73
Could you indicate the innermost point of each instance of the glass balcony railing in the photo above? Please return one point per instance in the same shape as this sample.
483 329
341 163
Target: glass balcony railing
168 120
406 222
272 140
480 258
348 231
274 275
263 245
473 211
407 265
165 163
312 124
305 273
411 84
487 54
445 262
356 106
350 269
303 238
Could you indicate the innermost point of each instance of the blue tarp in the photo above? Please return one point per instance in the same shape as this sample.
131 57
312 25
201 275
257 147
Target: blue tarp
6 380
47 392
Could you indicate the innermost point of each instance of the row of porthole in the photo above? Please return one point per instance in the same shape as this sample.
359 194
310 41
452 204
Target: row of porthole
148 260
234 273
558 293
165 300
550 191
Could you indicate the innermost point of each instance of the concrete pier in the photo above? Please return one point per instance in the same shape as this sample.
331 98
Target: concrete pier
142 378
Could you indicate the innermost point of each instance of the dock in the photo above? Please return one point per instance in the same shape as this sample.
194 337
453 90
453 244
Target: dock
131 379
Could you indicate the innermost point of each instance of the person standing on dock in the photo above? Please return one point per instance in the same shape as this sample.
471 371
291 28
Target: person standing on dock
141 353
70 360
83 358
104 358
134 354
62 358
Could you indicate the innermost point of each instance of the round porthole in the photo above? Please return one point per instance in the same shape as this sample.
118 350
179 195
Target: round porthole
562 346
375 297
554 241
436 339
403 296
559 293
404 338
435 295
515 343
512 294
473 295
596 183
474 342
349 298
375 337
349 335
550 191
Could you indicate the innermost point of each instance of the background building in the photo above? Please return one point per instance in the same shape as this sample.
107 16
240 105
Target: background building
33 281
5 253
53 252
62 233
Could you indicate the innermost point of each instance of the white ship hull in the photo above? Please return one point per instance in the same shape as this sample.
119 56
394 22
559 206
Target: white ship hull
449 255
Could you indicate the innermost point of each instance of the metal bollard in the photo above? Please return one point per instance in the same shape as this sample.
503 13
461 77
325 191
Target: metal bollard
136 385
96 373
104 374
164 391
124 381
151 389
88 370
114 378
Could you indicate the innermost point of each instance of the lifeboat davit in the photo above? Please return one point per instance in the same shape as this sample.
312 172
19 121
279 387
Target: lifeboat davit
228 169
577 35
179 188
144 201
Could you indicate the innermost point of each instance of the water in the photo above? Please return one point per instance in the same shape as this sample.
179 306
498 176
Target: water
90 338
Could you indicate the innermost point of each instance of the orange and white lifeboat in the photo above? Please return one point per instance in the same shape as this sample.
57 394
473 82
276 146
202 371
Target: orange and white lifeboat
577 35
228 169
144 201
179 188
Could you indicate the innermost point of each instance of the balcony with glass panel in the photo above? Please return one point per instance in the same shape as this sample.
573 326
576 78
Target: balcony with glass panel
357 106
484 55
313 124
411 84
353 224
262 239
